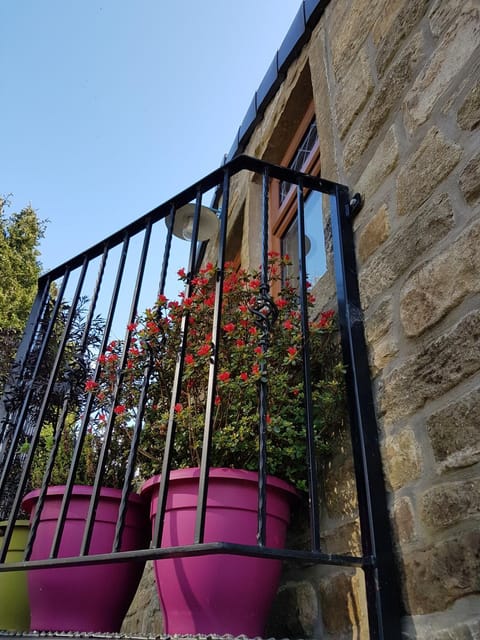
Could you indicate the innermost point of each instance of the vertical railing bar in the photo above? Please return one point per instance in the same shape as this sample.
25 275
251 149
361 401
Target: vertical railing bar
46 477
94 300
103 457
8 452
132 455
46 399
176 387
383 598
166 253
21 420
16 373
307 383
263 384
213 367
24 348
65 407
86 416
146 381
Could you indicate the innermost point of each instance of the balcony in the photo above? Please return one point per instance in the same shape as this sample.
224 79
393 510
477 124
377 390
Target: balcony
71 391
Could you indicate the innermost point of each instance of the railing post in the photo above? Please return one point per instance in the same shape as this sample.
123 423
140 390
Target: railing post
383 598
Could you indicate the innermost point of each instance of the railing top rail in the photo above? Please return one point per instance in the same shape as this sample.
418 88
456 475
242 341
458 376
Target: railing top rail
211 180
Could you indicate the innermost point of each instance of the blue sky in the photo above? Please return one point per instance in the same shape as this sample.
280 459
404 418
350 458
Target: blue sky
110 107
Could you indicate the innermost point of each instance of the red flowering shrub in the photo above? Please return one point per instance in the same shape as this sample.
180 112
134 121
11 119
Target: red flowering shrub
242 361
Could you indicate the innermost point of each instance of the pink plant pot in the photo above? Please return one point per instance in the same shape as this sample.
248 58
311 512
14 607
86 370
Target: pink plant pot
90 597
219 594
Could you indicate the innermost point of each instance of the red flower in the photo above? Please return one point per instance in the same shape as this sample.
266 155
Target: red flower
224 376
288 324
90 385
209 267
181 273
292 352
258 350
240 342
281 302
178 407
252 331
254 283
119 409
228 328
153 327
217 400
132 326
189 359
326 318
204 350
244 376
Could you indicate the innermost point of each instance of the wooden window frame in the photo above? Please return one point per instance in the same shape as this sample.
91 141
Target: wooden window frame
282 214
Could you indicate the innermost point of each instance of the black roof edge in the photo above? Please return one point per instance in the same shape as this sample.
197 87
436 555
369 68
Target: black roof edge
298 35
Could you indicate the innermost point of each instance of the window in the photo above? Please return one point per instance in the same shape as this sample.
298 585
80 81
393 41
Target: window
303 154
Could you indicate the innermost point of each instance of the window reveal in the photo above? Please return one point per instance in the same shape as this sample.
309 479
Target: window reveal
303 154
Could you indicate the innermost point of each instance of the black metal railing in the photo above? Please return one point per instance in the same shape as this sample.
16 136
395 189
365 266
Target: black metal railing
84 303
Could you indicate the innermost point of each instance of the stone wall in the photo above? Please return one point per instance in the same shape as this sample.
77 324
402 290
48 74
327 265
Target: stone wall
397 98
396 90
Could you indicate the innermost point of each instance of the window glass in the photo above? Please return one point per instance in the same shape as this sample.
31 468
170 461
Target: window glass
315 256
300 158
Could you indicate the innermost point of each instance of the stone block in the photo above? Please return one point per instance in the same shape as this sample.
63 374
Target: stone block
452 54
353 91
380 166
443 12
384 102
425 169
470 180
144 616
442 283
343 605
343 539
474 627
454 432
340 489
380 322
381 353
468 116
420 232
440 364
349 25
449 503
458 632
294 612
402 459
394 26
373 234
404 521
435 577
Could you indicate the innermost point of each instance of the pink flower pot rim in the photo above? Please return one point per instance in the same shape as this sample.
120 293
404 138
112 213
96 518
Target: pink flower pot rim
78 490
151 484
